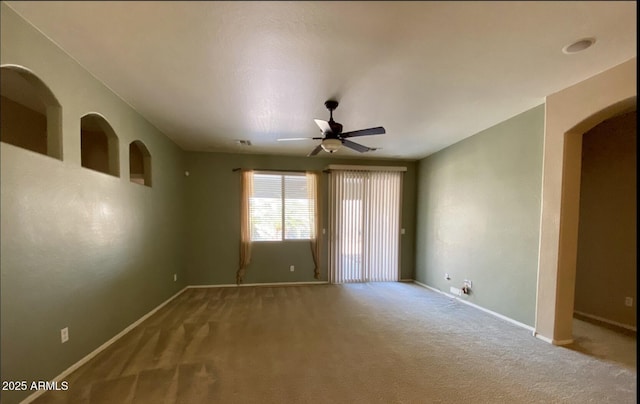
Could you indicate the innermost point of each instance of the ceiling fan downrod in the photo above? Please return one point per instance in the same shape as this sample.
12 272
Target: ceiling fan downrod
331 106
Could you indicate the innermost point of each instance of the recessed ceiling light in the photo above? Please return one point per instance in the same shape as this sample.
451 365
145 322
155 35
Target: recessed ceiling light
243 142
578 46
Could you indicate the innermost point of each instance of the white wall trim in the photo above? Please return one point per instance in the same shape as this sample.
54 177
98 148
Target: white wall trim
101 348
558 342
233 285
604 320
493 313
562 341
543 338
552 341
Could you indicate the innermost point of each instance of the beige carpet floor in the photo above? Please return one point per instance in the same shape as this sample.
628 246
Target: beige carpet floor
357 343
608 343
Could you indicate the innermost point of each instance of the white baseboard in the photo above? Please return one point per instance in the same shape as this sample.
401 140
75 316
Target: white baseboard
233 285
101 348
604 320
558 342
543 338
493 313
561 342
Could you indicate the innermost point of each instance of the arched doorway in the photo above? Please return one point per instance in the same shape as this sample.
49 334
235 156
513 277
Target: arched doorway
568 115
606 266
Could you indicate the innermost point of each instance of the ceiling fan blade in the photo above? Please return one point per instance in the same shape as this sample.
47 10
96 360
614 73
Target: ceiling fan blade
298 138
365 132
323 125
315 151
355 146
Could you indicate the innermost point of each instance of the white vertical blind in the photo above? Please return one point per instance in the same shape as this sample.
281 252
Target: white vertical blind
298 208
365 220
265 207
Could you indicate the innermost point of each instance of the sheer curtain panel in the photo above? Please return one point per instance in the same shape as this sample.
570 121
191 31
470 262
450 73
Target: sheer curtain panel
315 220
245 224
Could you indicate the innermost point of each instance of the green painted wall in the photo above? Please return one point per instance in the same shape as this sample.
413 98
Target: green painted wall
213 193
606 268
478 204
95 252
79 248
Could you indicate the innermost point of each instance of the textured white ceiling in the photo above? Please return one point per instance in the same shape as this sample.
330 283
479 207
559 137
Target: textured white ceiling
432 73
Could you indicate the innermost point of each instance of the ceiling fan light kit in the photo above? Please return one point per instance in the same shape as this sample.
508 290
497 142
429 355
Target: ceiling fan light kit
331 145
333 138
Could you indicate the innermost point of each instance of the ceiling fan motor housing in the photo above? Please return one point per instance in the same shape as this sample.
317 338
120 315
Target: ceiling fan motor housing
336 128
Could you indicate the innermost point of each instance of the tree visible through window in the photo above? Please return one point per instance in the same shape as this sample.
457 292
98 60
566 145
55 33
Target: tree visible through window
280 207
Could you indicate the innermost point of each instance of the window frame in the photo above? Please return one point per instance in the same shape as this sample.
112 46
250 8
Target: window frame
283 216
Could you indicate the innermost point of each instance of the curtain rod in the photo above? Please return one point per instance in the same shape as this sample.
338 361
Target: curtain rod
365 168
271 169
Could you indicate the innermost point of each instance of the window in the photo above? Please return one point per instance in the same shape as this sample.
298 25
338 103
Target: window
281 207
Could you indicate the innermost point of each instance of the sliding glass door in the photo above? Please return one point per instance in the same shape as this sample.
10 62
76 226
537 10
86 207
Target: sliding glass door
365 226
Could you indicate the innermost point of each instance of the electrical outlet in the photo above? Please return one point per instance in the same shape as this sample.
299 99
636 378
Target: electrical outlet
64 334
292 268
467 283
455 291
628 301
175 277
401 231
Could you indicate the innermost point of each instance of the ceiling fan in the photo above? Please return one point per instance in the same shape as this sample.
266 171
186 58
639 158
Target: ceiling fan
333 138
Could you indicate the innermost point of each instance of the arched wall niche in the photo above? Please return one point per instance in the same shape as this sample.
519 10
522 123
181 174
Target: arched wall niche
139 163
99 146
30 114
